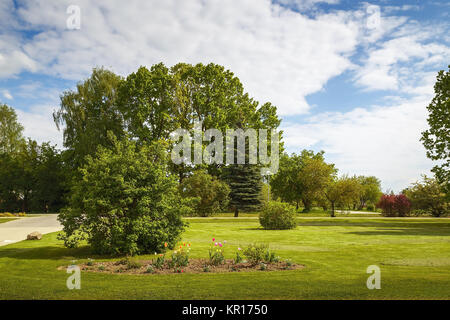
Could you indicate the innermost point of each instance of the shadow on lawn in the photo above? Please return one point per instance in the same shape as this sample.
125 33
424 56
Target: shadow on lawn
46 253
390 228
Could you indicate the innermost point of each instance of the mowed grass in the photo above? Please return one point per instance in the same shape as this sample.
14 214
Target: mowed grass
413 254
3 220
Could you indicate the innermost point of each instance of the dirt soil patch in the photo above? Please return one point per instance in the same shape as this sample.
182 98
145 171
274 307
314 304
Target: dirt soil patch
194 266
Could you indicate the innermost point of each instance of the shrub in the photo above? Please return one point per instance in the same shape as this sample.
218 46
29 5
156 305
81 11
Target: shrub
255 253
125 202
428 197
394 205
277 216
7 214
386 204
133 264
402 205
370 207
210 193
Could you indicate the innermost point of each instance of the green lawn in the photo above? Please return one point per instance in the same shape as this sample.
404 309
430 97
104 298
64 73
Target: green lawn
3 220
413 254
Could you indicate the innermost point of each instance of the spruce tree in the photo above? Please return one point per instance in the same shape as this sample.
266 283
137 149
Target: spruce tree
245 183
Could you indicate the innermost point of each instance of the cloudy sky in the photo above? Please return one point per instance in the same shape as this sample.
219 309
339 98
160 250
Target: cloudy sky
351 78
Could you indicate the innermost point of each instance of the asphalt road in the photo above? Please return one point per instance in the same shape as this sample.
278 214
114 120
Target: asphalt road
17 230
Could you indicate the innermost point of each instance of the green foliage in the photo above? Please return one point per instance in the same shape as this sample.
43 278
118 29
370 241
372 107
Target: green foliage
155 102
10 130
32 178
270 257
429 197
256 253
342 192
436 139
133 264
370 191
302 178
238 258
211 193
125 203
180 258
265 193
160 261
88 113
277 216
245 184
150 269
216 256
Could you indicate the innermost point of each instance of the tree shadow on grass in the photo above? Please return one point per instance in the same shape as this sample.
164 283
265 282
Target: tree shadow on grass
413 231
391 228
47 253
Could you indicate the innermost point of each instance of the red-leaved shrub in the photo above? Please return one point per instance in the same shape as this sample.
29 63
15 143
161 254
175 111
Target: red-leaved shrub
394 205
402 205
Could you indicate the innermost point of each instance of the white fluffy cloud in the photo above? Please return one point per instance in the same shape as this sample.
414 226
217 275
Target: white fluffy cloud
38 124
381 141
280 55
7 94
383 69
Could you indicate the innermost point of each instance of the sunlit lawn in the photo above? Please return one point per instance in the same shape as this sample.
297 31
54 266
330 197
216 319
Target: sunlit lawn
413 254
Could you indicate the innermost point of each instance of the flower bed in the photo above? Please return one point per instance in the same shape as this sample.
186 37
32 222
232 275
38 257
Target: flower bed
254 257
194 266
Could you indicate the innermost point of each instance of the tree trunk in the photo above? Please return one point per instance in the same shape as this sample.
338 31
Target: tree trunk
332 210
296 206
307 205
236 212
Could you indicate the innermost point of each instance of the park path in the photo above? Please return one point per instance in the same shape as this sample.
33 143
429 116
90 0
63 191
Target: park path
17 230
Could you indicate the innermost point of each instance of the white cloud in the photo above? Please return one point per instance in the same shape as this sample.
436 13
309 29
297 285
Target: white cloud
381 141
38 124
7 94
305 4
280 55
383 70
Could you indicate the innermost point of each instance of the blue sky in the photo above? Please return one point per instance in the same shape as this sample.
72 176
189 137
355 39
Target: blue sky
351 78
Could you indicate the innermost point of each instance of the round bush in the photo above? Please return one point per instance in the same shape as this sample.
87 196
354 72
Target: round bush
125 202
277 216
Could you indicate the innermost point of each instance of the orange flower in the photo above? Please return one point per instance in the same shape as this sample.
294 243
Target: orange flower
165 244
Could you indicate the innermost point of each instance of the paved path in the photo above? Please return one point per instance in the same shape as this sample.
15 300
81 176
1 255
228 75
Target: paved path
17 230
358 212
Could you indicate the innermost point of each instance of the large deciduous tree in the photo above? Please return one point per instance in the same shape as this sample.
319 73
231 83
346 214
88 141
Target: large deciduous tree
32 179
370 190
437 138
302 178
211 193
87 114
342 192
11 130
